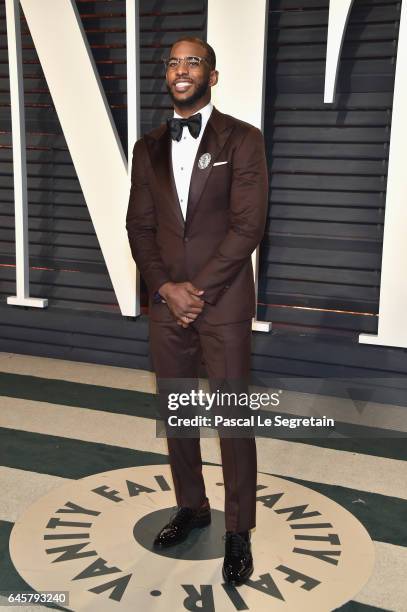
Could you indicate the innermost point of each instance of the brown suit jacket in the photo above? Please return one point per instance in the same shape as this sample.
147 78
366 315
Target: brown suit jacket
225 220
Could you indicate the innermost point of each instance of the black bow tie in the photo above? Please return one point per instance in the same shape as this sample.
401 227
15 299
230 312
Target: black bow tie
176 126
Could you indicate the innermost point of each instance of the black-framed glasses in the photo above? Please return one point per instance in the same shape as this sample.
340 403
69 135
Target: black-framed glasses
192 61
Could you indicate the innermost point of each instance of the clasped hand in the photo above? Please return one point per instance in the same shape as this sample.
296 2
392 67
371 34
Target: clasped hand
183 301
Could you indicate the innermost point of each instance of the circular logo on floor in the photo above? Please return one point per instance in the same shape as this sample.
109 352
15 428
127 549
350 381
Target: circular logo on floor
93 538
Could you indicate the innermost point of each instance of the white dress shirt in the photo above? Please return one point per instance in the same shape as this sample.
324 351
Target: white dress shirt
183 155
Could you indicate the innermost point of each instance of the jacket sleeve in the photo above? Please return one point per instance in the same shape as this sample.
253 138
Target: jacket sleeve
141 224
248 214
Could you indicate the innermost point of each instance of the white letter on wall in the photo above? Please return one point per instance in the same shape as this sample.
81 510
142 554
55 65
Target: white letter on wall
393 284
22 297
90 133
339 11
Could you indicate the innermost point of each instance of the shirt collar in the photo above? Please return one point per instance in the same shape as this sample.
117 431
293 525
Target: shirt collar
205 112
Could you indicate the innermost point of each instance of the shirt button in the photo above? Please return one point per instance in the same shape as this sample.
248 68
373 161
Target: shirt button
182 168
181 200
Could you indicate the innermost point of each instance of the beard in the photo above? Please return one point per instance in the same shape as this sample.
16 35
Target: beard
199 92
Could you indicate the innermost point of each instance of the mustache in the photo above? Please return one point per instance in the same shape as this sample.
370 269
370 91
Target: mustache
200 92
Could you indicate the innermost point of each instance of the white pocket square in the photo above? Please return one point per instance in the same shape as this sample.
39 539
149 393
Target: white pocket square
220 163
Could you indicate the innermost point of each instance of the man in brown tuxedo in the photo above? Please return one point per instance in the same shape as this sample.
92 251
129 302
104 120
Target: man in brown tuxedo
197 210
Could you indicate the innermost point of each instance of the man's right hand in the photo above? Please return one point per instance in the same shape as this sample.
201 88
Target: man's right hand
183 300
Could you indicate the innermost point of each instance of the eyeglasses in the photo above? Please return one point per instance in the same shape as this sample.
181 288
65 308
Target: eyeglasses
192 61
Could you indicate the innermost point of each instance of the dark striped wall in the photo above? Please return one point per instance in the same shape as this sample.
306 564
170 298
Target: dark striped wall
328 163
320 258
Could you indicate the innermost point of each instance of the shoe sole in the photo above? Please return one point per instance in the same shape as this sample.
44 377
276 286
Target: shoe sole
237 582
197 523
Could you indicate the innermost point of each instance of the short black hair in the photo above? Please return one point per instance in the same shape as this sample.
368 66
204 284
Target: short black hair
211 57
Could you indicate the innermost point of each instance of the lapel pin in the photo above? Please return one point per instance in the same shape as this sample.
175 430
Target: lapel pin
204 161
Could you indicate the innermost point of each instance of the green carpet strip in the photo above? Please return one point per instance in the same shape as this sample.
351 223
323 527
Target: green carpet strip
67 457
136 403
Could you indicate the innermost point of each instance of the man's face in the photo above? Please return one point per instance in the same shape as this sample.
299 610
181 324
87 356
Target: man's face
187 85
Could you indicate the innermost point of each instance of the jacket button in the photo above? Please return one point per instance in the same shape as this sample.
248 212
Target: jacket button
186 239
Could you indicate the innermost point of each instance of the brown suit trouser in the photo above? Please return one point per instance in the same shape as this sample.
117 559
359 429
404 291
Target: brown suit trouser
177 352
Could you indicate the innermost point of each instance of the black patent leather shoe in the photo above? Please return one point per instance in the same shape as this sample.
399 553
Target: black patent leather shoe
238 562
180 524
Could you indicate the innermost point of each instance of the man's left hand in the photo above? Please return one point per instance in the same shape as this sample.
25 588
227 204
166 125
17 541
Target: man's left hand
184 323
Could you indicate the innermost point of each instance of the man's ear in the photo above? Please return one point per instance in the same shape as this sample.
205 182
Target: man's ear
213 79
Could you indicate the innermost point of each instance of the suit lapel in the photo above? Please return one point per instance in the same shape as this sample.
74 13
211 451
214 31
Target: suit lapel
159 147
160 155
212 142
